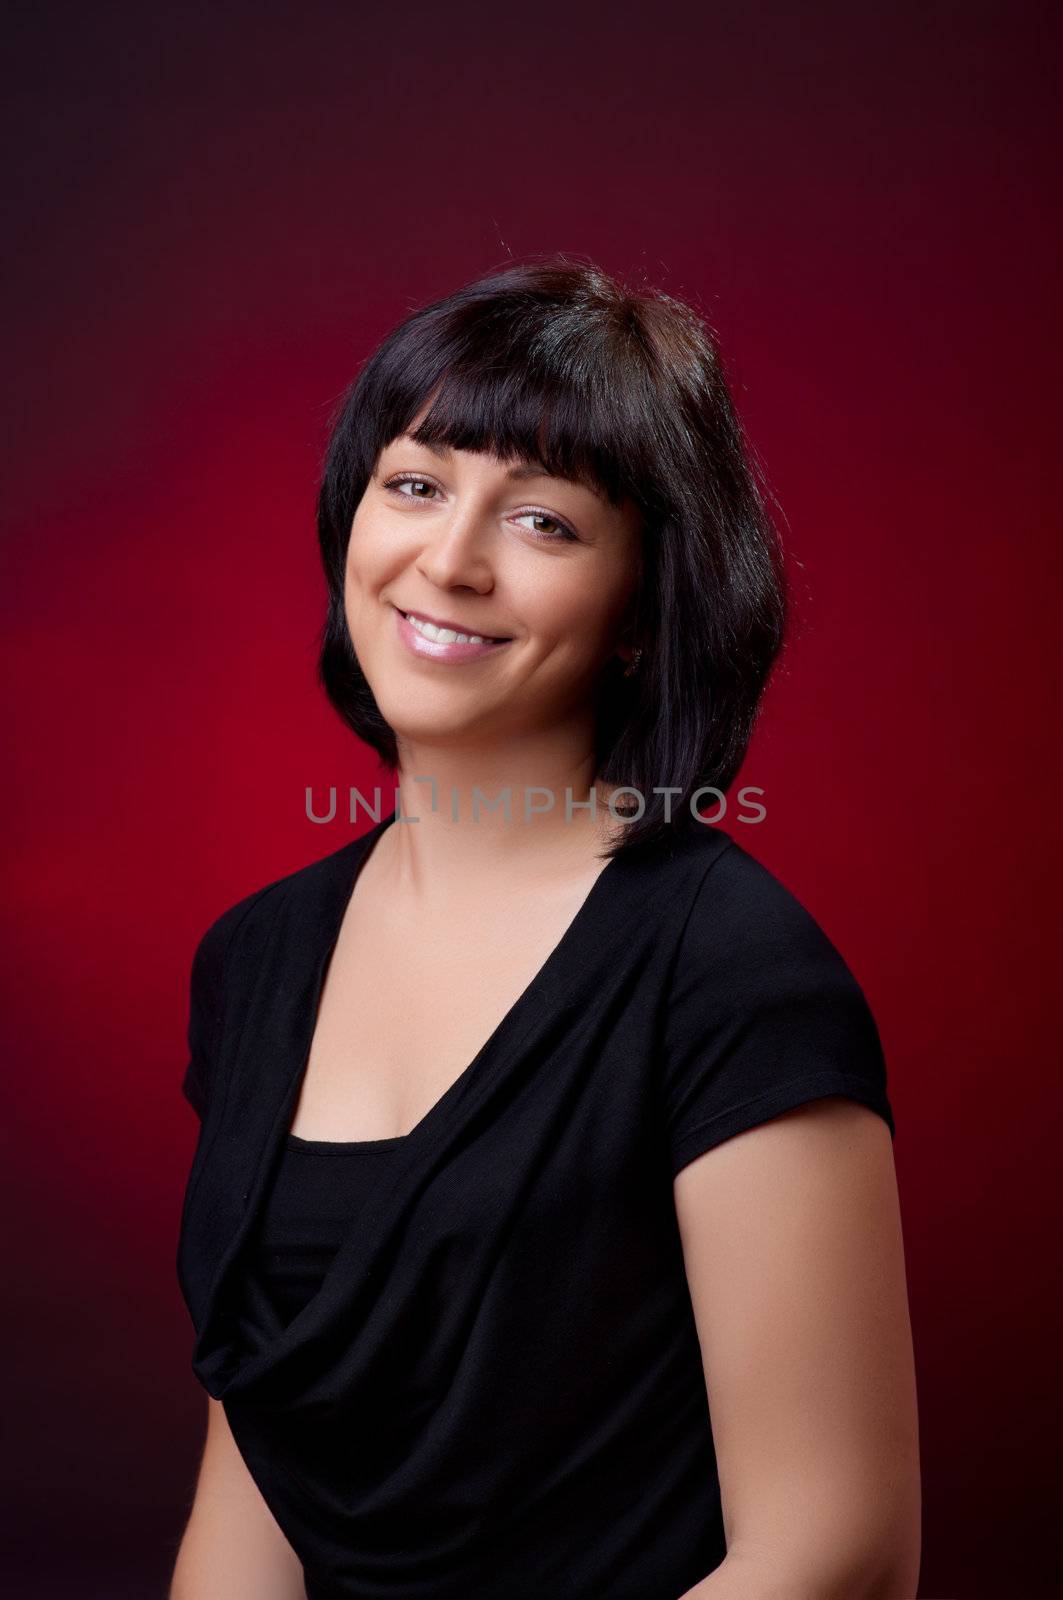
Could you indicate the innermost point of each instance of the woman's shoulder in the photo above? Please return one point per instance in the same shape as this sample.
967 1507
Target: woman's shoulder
229 953
763 1012
310 889
745 919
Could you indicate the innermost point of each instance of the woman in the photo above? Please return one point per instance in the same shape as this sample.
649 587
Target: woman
542 1235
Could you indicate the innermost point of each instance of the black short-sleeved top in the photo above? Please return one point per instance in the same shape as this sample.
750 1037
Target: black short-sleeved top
496 1388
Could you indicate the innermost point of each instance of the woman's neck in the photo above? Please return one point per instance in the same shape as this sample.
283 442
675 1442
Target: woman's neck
484 818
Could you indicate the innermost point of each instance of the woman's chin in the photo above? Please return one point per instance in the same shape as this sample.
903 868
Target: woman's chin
440 724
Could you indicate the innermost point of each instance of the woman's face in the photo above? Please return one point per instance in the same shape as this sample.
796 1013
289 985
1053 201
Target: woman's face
490 548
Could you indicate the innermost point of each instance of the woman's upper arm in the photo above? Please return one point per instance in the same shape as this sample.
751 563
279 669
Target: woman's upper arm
791 1235
232 1546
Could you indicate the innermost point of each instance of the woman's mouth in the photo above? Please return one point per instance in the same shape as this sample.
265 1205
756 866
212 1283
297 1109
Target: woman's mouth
433 642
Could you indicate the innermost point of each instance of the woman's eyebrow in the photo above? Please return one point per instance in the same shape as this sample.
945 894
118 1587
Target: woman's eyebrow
531 469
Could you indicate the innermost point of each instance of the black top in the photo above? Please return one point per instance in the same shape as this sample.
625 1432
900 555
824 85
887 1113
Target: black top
496 1387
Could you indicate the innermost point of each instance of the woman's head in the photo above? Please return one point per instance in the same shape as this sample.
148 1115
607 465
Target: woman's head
550 456
543 569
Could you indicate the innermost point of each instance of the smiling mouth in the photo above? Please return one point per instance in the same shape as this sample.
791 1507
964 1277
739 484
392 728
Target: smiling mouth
445 635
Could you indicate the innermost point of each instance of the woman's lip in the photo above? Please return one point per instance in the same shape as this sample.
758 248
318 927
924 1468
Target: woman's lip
458 627
433 650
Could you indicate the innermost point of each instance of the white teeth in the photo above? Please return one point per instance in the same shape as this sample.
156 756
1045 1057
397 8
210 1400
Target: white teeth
444 635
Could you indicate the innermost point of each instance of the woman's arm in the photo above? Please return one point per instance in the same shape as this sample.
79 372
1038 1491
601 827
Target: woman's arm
232 1548
792 1240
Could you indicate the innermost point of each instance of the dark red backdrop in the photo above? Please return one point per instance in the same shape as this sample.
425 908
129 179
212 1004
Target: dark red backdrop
217 212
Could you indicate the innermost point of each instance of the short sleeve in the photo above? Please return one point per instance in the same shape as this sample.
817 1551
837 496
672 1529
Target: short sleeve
205 991
762 1014
206 1000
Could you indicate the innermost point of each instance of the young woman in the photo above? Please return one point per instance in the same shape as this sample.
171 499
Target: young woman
542 1236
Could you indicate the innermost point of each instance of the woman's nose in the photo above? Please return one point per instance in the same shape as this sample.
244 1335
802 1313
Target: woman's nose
457 549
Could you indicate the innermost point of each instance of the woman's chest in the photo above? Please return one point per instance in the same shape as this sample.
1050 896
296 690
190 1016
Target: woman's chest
405 1010
536 1143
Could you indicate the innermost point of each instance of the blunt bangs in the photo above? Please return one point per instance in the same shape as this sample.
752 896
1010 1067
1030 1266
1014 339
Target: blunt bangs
553 363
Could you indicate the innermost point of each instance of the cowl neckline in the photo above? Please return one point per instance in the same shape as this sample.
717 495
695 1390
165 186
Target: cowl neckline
339 1332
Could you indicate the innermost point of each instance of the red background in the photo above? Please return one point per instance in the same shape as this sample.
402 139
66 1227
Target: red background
216 212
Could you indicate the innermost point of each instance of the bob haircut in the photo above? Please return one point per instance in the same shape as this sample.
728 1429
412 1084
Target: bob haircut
553 361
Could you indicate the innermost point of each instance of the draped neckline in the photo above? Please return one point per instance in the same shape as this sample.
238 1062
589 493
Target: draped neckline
412 1155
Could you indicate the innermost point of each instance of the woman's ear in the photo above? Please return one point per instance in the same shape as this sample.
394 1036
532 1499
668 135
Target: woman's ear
628 631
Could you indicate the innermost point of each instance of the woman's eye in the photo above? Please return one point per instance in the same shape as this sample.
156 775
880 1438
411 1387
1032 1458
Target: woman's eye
398 484
424 488
561 529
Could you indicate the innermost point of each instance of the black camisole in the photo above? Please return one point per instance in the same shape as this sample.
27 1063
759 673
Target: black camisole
315 1194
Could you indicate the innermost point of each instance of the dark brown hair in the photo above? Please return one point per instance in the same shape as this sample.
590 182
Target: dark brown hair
553 360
